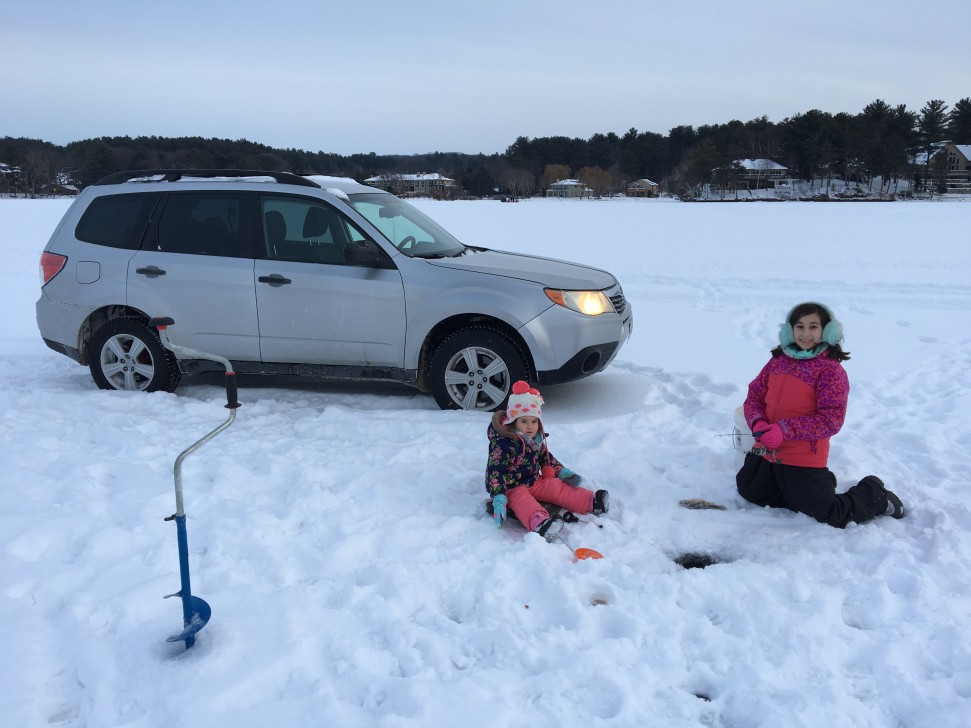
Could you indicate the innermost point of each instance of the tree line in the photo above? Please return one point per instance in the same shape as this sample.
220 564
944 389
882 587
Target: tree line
881 141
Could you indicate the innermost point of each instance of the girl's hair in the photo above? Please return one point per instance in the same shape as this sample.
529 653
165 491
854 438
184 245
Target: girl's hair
835 351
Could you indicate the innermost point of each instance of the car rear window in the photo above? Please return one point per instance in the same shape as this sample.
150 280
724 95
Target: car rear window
205 223
117 221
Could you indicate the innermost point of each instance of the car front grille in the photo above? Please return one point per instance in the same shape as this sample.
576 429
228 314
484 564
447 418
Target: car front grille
618 301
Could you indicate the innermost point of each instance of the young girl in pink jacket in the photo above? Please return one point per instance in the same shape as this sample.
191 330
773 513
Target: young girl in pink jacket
795 404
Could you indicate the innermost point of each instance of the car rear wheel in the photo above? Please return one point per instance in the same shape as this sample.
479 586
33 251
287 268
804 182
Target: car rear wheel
474 369
127 354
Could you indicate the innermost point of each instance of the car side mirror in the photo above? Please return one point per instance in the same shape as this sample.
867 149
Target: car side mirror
363 253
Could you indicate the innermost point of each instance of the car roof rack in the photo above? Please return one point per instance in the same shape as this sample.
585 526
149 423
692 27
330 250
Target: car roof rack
174 175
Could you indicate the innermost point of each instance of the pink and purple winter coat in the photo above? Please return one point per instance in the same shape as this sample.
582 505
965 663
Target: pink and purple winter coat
513 461
807 397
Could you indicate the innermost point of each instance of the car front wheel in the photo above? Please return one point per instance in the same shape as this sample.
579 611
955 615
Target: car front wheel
474 369
127 354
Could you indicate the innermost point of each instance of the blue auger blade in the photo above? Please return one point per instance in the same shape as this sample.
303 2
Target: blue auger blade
200 612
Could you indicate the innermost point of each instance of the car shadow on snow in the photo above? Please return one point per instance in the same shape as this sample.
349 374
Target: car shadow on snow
389 394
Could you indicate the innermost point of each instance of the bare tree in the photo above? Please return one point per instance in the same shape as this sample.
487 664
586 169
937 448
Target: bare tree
595 178
40 168
553 173
519 182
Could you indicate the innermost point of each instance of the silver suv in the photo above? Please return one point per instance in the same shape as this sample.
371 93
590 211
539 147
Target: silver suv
311 276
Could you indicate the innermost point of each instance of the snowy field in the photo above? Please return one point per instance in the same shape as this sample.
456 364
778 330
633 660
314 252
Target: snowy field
339 535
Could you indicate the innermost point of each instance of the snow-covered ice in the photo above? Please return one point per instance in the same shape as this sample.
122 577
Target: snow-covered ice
339 535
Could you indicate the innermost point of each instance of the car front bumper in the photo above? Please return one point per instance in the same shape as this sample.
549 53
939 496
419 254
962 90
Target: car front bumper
567 346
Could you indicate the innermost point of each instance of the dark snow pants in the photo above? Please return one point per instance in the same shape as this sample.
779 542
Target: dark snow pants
809 490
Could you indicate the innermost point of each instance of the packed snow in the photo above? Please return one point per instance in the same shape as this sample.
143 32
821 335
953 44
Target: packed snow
338 531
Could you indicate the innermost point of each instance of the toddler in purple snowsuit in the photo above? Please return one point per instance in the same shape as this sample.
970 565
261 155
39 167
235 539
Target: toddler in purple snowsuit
522 472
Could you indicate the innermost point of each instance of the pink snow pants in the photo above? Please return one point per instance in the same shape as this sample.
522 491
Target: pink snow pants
524 501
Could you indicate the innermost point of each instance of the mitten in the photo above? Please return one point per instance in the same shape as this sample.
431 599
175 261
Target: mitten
570 478
771 436
499 509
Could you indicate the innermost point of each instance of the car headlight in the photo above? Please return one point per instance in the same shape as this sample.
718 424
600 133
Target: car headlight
591 303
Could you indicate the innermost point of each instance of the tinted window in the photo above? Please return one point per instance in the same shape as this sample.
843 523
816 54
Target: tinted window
204 223
116 220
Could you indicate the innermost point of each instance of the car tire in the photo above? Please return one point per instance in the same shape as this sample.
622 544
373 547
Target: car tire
127 354
474 369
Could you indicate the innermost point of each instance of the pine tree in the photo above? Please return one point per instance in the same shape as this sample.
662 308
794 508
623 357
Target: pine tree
932 128
959 122
98 162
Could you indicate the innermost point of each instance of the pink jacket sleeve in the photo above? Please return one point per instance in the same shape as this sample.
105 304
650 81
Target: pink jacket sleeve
754 408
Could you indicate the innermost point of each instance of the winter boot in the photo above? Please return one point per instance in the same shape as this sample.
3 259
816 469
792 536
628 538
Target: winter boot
895 506
549 528
601 502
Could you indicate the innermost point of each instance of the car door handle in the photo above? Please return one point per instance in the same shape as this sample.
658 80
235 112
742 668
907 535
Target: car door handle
274 280
152 271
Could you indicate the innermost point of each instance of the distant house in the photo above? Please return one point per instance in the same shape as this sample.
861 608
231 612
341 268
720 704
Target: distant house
568 188
748 173
413 185
11 178
62 190
921 159
643 188
958 158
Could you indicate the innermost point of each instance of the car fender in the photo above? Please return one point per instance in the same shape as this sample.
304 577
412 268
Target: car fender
434 295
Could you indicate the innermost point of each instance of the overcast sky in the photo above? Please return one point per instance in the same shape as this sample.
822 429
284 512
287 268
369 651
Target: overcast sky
396 77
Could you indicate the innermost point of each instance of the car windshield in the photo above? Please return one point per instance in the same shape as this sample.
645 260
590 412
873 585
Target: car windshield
409 230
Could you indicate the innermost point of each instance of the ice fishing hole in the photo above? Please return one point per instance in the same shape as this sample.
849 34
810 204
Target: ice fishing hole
697 560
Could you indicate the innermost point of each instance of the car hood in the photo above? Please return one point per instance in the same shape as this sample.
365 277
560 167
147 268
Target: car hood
545 271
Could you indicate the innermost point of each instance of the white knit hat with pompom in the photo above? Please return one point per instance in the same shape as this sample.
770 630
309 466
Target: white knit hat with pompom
524 401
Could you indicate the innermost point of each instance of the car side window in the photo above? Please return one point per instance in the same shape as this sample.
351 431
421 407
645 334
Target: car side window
305 230
204 223
117 221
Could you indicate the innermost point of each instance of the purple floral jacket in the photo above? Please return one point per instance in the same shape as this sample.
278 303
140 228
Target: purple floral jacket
512 462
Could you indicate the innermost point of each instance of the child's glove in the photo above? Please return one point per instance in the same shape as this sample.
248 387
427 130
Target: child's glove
499 509
771 435
570 478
